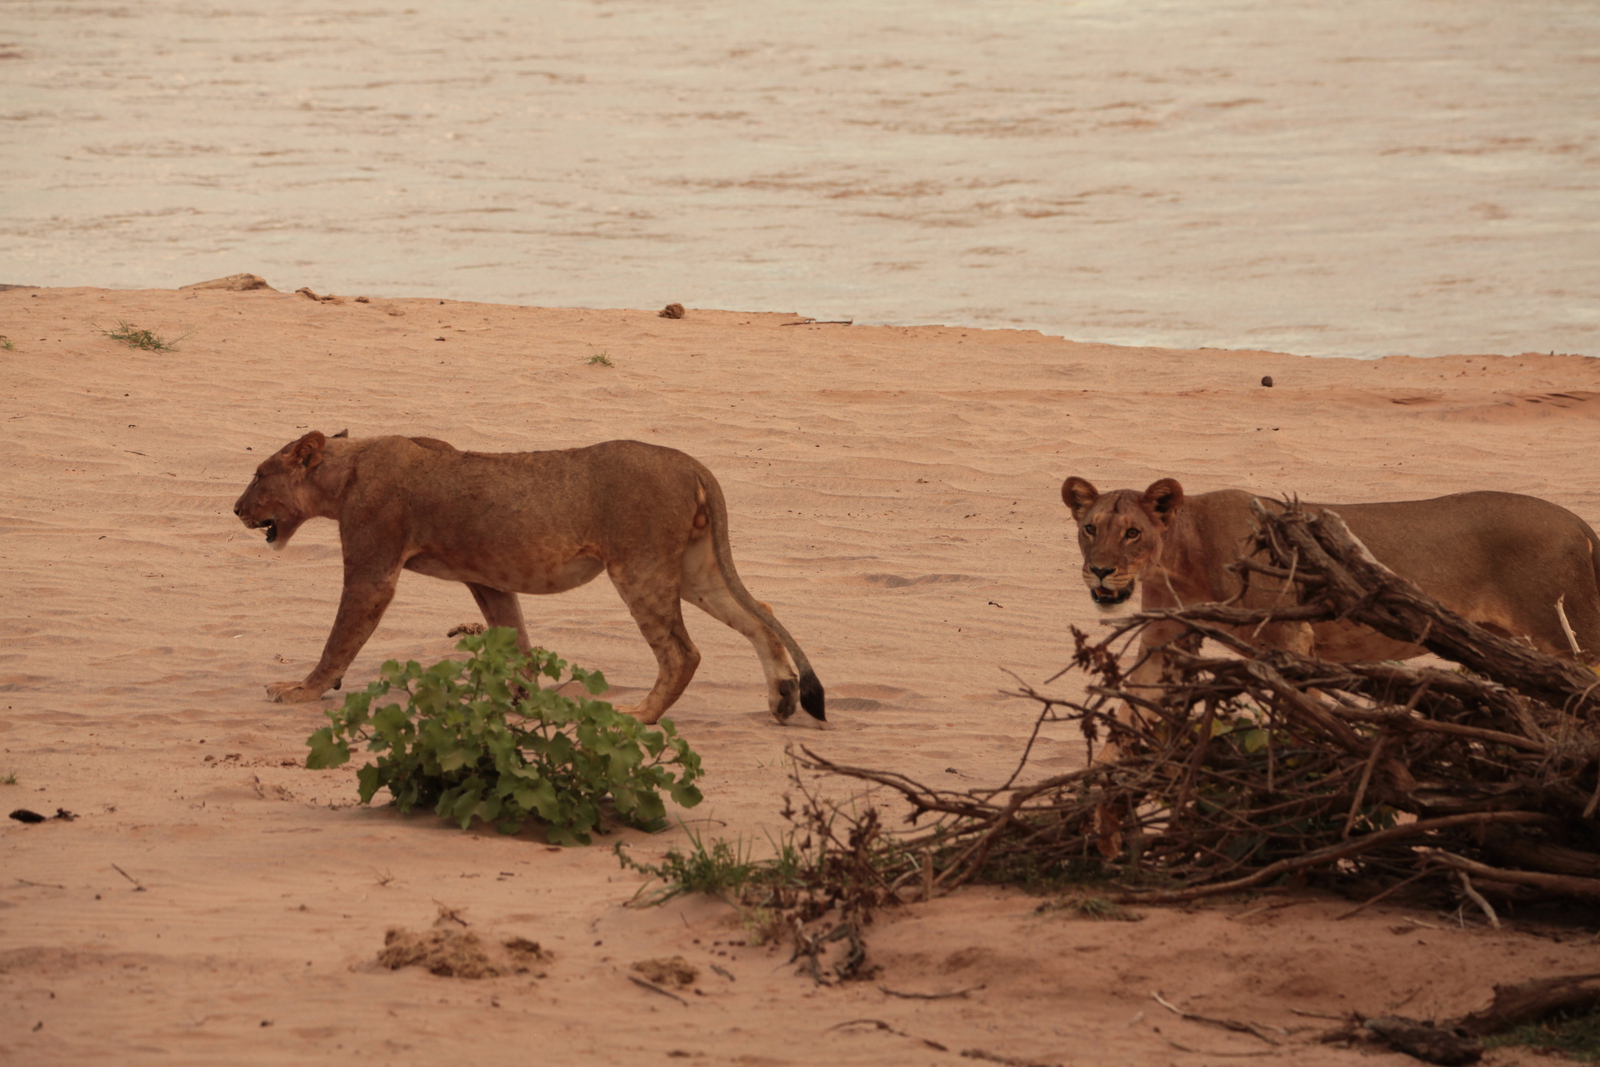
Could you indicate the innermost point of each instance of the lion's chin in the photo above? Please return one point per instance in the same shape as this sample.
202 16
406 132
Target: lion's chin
280 537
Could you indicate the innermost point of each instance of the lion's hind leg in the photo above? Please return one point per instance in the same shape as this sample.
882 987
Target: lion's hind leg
1565 608
1583 615
655 607
705 587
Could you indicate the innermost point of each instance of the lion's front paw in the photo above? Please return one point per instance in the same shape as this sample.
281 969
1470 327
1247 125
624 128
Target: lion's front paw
292 693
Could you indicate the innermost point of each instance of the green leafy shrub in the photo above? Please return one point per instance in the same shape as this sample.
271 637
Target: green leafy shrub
482 740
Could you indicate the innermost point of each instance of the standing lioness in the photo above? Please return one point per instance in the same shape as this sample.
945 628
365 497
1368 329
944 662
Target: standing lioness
506 523
1502 560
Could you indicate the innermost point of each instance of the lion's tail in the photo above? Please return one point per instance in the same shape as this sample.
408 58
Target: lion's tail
812 698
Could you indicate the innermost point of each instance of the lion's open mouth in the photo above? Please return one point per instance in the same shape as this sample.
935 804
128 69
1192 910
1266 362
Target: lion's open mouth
268 525
1107 597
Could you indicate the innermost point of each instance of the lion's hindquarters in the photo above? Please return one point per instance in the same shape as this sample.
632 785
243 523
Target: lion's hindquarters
1501 560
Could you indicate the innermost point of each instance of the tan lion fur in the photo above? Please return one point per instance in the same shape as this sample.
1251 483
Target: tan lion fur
1501 560
652 518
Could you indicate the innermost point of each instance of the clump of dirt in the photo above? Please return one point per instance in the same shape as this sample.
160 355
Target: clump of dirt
674 973
460 954
525 954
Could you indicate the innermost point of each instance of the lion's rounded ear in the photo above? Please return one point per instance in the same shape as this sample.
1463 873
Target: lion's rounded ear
307 451
1078 495
1164 497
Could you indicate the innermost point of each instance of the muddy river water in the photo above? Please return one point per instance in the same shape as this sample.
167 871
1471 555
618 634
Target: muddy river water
1329 177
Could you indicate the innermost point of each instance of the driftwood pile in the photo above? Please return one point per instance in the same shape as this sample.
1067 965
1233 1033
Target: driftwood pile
1255 765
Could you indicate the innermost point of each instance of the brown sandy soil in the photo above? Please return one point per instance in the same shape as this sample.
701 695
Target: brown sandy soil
895 497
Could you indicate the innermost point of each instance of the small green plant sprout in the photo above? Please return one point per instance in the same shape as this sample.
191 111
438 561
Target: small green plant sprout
601 359
483 740
133 337
768 894
724 870
1082 906
7 343
9 779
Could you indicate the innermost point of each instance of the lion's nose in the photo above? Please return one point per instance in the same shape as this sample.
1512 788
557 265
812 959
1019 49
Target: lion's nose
1101 572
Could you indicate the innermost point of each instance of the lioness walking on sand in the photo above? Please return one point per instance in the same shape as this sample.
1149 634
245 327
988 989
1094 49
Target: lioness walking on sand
652 518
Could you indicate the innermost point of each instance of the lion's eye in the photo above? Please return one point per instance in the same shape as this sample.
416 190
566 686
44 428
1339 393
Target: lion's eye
1089 529
1131 534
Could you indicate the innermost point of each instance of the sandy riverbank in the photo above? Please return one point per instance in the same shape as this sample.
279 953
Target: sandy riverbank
894 494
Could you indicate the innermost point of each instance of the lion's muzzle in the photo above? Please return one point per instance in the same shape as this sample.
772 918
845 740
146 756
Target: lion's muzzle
1101 591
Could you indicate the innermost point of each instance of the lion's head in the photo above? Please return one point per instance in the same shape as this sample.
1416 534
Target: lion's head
279 498
1120 533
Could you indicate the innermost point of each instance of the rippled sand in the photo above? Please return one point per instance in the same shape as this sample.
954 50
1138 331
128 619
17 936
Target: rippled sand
1354 178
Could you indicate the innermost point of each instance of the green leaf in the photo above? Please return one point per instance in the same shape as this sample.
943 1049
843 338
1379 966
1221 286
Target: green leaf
561 836
593 681
462 802
392 723
648 808
325 751
546 802
685 795
367 777
625 799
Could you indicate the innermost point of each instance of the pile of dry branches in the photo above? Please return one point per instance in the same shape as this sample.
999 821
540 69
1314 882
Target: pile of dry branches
1254 764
